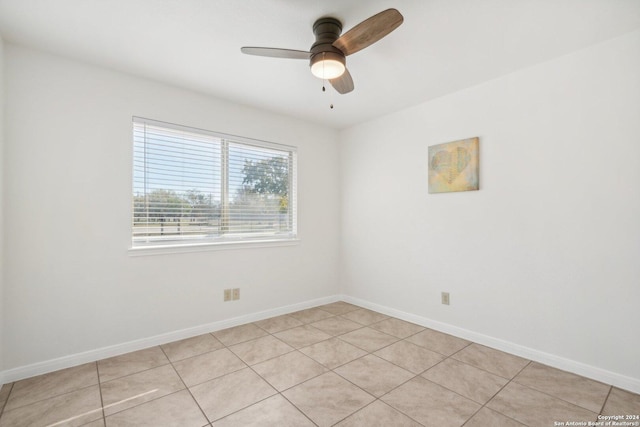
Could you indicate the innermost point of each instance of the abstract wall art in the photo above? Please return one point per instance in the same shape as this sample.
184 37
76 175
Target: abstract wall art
453 166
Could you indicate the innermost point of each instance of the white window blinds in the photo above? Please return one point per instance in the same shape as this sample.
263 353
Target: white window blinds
196 187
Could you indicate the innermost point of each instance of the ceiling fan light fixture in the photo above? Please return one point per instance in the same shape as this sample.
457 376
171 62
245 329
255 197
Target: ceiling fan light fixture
327 65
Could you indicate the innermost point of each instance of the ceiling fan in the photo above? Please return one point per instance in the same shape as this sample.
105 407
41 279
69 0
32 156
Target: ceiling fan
328 53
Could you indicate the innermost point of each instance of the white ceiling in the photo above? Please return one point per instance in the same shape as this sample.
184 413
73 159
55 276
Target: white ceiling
442 47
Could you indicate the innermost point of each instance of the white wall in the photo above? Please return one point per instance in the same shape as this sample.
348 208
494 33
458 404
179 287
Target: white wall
69 281
546 255
2 309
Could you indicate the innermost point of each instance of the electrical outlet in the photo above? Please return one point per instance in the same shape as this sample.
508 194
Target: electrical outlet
227 294
236 293
445 298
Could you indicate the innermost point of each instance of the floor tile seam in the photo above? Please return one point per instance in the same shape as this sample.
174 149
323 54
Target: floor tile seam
298 409
419 332
498 392
445 355
172 362
303 382
492 397
364 349
405 340
216 378
428 369
340 365
385 360
311 308
330 336
398 409
571 375
173 359
371 394
402 338
137 372
355 385
485 370
195 355
143 403
185 388
353 413
455 392
512 381
459 350
306 346
402 367
48 398
4 404
326 318
263 378
498 412
255 339
347 312
344 333
378 399
295 385
554 397
280 315
100 391
363 324
577 377
280 330
15 385
338 337
245 341
601 409
352 310
265 360
276 392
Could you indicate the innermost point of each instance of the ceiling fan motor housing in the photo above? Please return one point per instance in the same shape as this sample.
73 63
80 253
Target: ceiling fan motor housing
327 30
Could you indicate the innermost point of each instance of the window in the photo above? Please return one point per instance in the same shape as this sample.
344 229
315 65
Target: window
193 187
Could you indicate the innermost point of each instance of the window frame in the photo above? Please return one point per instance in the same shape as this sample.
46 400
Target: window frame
230 240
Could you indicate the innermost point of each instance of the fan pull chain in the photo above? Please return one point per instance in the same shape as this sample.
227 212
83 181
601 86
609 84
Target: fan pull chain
331 100
323 79
324 89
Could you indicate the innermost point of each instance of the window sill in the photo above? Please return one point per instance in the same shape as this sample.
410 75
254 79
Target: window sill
204 247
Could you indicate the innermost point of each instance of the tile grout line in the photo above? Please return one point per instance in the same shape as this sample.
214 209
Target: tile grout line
606 400
557 397
50 397
4 404
185 387
281 393
277 392
100 391
371 353
495 394
414 375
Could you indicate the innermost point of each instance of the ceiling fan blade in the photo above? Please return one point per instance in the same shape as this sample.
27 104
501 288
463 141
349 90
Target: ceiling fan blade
276 53
344 83
369 31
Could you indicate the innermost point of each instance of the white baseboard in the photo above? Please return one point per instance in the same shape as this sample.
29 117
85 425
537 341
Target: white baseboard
598 374
47 366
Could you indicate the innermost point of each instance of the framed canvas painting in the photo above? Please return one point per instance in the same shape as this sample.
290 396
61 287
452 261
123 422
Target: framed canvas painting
453 166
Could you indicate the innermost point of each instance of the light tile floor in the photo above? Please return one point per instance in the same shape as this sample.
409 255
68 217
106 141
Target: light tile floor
333 365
